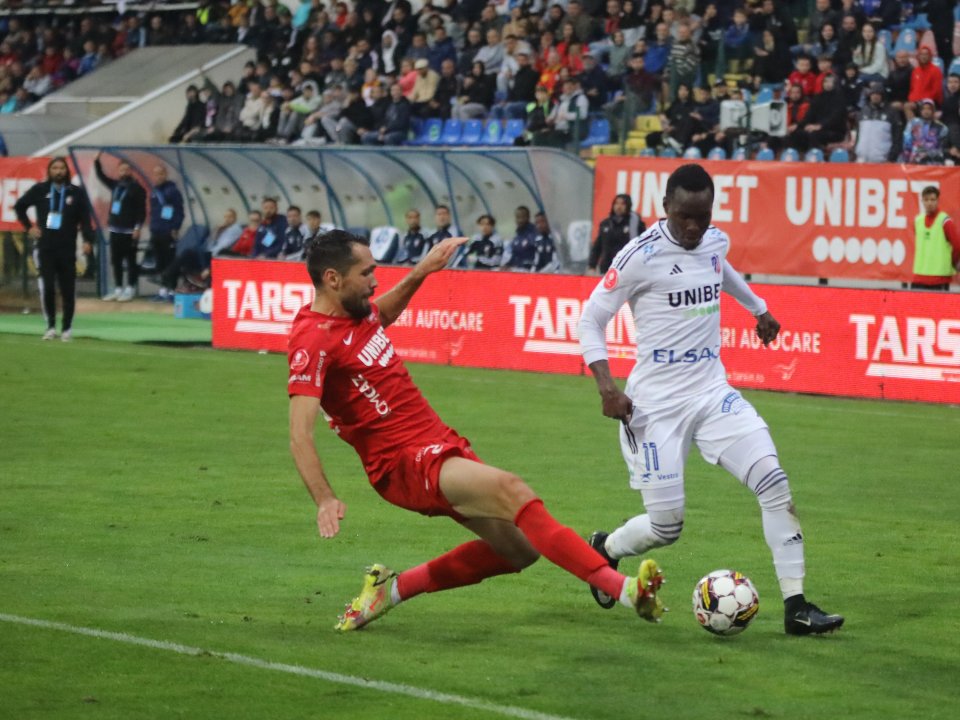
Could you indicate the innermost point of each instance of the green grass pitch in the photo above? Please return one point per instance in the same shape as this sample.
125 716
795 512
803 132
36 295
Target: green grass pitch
149 491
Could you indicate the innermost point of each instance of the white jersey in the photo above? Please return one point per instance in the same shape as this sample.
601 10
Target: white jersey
674 295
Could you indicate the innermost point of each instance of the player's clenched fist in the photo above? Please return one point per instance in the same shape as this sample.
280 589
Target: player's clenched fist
329 514
617 405
767 328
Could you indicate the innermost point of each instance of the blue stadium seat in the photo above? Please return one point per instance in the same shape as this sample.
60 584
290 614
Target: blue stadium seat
648 152
472 132
886 37
954 68
764 96
511 131
667 152
789 155
766 155
429 132
906 40
692 153
384 243
740 154
839 155
492 132
938 61
813 155
451 132
717 153
599 133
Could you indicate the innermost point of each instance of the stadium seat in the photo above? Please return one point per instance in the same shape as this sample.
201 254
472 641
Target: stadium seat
740 154
765 155
789 155
667 152
511 131
648 152
907 40
492 132
764 96
579 240
717 153
384 243
886 37
193 239
938 61
954 68
429 132
813 155
839 155
692 153
599 133
472 132
451 132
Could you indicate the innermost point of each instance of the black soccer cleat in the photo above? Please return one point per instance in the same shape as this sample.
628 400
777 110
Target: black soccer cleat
596 542
805 618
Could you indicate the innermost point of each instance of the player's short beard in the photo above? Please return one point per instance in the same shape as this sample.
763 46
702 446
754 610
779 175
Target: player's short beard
357 307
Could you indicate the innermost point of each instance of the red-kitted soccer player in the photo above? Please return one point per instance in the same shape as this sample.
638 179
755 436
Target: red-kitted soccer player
343 364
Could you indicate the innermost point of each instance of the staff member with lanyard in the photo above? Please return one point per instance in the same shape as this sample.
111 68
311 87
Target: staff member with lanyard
166 217
61 210
128 210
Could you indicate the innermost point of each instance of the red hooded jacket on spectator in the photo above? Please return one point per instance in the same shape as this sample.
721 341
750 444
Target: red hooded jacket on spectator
807 80
926 81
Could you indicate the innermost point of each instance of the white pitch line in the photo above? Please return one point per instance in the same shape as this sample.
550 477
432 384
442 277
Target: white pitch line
260 664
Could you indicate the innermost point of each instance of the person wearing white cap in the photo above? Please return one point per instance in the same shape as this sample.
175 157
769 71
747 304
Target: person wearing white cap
424 87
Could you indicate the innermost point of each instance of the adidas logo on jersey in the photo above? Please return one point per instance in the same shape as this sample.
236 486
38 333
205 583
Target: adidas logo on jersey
676 270
795 540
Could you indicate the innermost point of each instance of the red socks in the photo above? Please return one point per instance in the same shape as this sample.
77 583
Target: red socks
466 564
563 547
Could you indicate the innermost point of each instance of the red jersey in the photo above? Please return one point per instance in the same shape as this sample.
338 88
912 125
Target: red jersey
807 80
363 387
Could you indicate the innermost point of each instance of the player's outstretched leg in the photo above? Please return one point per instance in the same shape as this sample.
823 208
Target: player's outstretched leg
374 600
597 541
754 461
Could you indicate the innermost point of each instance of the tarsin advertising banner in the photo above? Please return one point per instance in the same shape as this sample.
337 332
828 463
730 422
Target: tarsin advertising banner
17 175
859 343
832 220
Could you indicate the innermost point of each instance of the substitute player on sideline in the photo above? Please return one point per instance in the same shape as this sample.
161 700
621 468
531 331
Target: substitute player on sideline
677 393
341 358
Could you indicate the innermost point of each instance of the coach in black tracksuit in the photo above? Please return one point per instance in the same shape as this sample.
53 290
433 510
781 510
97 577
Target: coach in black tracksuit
128 210
61 210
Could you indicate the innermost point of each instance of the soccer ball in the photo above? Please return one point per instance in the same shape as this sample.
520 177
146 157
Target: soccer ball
725 602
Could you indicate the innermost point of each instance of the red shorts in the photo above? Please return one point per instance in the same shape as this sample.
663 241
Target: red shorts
413 480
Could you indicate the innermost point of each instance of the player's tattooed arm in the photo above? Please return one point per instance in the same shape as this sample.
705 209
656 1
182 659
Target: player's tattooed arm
304 412
767 328
614 402
395 301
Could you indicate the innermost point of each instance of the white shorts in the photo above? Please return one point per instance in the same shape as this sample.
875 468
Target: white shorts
657 441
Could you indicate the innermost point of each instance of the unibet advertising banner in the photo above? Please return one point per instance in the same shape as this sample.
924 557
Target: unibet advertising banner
831 220
859 343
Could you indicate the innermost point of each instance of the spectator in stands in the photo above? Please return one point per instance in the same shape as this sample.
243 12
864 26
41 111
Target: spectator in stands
618 55
825 44
823 14
926 80
485 250
803 76
676 129
227 119
521 249
448 86
584 26
537 113
294 112
658 51
193 116
413 244
158 33
797 108
775 19
90 60
825 121
444 229
36 83
951 115
683 64
128 210
354 115
898 82
469 52
824 69
294 236
520 85
615 231
270 233
925 139
189 32
704 120
568 119
848 38
879 131
871 55
593 82
254 115
166 218
738 42
441 48
477 94
396 122
852 85
424 88
936 244
771 63
491 54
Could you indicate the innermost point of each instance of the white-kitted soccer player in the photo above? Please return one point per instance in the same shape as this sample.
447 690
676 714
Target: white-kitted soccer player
677 392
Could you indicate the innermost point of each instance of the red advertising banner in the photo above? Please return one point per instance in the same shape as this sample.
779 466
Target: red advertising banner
861 343
17 175
832 220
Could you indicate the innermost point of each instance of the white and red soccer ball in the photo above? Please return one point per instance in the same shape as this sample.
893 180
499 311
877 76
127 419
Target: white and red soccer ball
725 602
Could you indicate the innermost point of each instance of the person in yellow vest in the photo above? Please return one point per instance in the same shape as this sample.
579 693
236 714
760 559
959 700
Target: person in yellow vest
937 246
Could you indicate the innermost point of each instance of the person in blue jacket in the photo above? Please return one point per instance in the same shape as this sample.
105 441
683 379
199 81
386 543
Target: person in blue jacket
269 239
166 217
